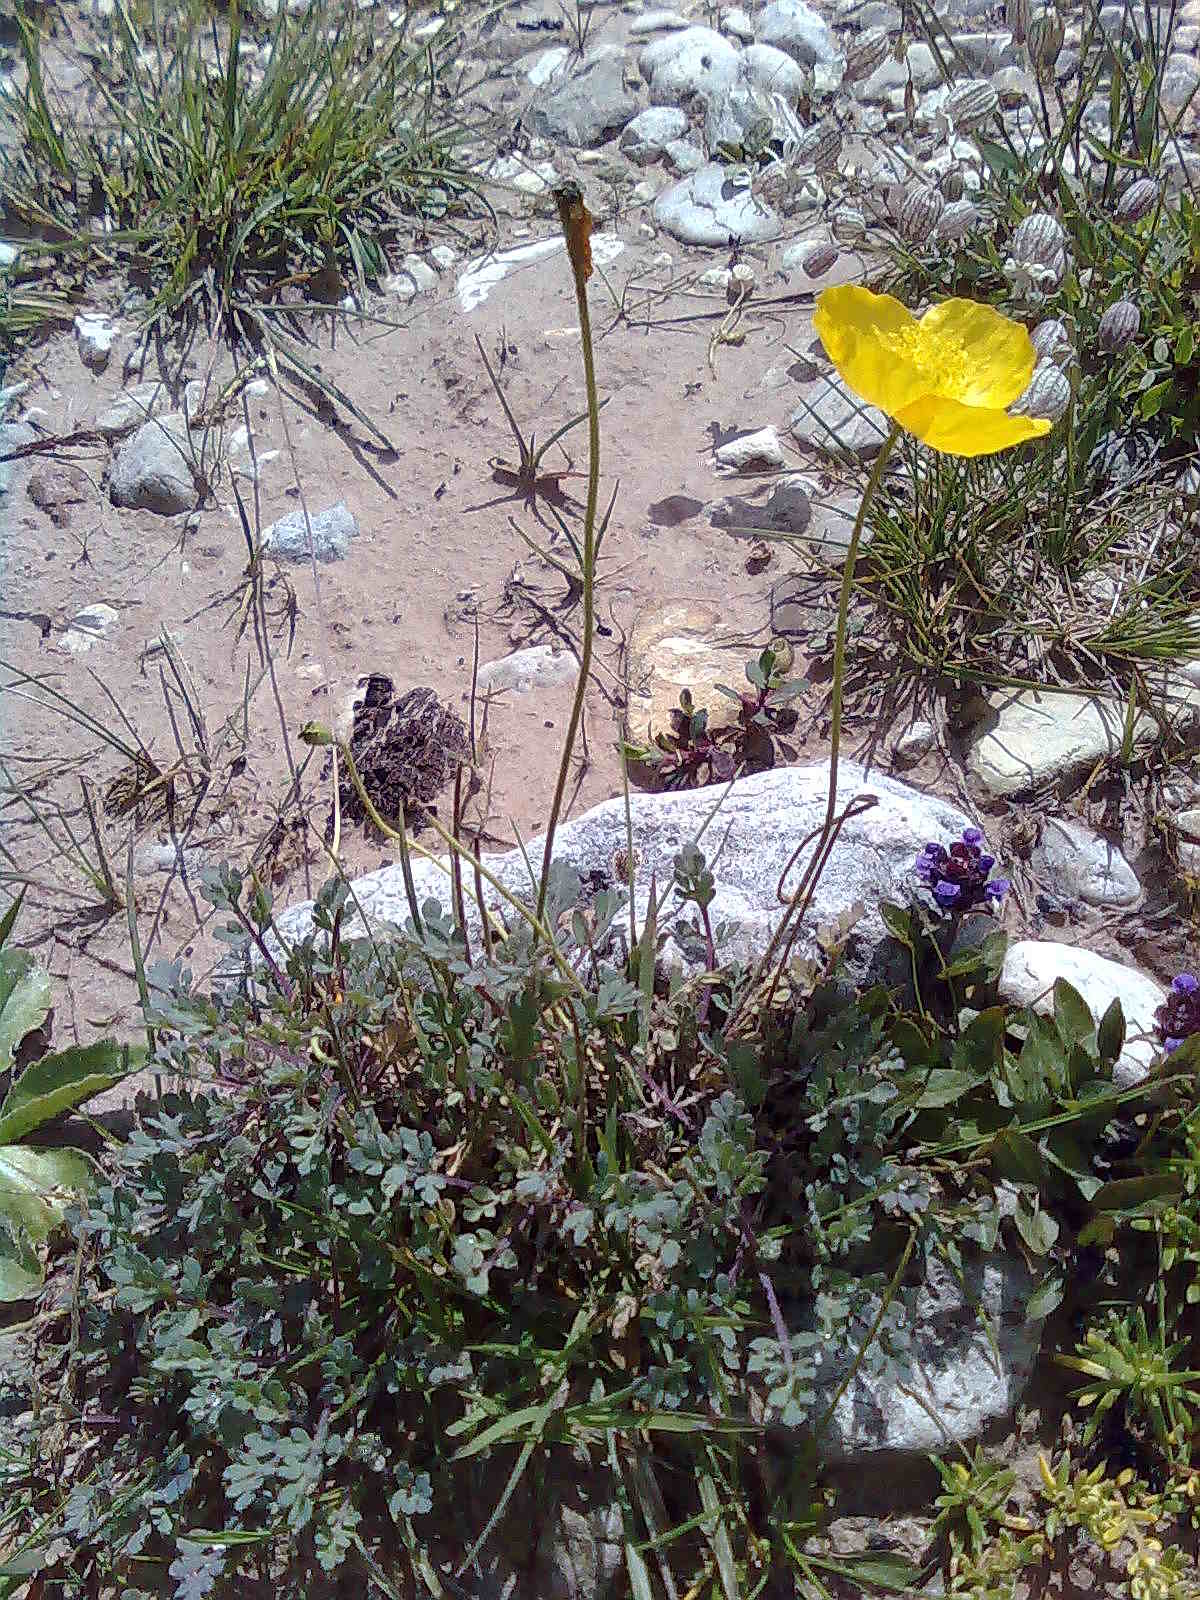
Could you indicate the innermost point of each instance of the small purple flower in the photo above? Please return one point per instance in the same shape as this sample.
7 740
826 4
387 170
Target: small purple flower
1178 1017
958 877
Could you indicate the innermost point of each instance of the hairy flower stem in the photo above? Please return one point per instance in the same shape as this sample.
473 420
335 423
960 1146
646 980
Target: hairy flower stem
837 689
576 223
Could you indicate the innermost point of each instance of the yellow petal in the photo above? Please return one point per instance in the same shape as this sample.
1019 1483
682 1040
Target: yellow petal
998 352
959 430
864 335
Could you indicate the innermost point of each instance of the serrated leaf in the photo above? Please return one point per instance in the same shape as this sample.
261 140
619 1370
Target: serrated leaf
980 1047
62 1081
24 1000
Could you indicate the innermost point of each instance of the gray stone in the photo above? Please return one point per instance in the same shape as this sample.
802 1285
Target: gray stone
917 740
1033 966
123 413
742 118
1188 846
421 273
698 61
332 531
832 419
657 22
591 107
737 24
708 207
879 14
761 821
684 157
1079 864
541 666
945 1381
794 26
152 469
646 138
774 71
986 53
788 509
1034 737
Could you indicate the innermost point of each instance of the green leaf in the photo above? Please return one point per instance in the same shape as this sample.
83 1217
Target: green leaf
59 1082
1072 1014
981 1046
1002 162
24 1000
1038 1229
944 1085
1131 1194
911 1043
1017 1158
881 1570
21 1273
1110 1036
9 918
898 923
1155 398
36 1186
1047 1297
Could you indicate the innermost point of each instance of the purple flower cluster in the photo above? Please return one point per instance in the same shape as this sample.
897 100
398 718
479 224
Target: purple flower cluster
958 877
1179 1015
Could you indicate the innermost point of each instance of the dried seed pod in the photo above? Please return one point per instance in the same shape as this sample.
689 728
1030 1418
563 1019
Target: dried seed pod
960 219
848 225
1045 41
971 102
819 260
820 146
1048 394
869 51
920 211
1038 240
1138 201
1052 340
1119 325
953 184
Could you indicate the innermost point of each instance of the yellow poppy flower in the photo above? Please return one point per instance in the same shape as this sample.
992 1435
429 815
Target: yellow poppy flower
946 377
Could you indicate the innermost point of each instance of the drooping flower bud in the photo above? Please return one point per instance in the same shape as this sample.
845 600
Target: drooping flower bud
1119 325
848 225
920 211
1045 42
959 220
953 185
1138 201
869 51
1052 340
820 146
1048 394
819 260
969 103
1016 18
1038 240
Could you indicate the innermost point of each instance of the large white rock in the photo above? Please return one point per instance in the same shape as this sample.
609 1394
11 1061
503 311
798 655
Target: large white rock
697 61
1033 966
956 1370
796 27
709 207
748 844
1042 736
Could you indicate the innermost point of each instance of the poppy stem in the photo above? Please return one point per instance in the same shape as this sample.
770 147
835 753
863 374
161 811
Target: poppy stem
843 615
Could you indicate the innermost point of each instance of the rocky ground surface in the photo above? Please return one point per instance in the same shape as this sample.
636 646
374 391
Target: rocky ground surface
403 560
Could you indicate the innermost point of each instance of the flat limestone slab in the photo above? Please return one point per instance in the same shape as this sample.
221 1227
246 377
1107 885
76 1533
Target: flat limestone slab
1043 736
